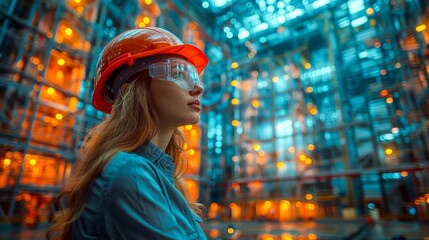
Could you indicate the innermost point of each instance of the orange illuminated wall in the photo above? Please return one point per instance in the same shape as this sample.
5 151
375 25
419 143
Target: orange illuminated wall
275 210
193 156
64 74
38 170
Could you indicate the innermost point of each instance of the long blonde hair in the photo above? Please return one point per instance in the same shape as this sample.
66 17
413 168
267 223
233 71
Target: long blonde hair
132 122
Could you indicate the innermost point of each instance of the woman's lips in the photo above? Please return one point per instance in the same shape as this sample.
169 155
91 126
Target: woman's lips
196 105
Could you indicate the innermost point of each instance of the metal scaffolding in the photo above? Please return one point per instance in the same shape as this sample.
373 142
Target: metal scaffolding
312 108
47 57
327 110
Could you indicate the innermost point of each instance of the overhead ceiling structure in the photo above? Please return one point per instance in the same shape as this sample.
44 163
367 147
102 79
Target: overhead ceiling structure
264 22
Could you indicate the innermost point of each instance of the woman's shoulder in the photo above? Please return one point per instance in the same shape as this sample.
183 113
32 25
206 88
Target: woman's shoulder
128 163
125 171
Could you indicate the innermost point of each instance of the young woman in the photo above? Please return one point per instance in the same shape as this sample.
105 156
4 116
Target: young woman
128 182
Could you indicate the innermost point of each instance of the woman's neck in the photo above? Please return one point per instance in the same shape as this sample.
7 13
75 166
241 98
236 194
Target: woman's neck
162 138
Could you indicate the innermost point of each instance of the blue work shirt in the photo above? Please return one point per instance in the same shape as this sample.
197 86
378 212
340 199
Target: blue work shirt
135 198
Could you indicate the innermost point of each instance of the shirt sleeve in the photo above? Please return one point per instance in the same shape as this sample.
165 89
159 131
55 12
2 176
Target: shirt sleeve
134 206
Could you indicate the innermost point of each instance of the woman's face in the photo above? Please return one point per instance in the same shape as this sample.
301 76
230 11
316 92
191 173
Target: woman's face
174 105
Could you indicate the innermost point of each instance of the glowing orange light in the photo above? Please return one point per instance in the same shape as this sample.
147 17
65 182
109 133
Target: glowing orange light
191 152
256 147
215 206
61 62
20 64
77 1
214 233
302 157
307 65
384 93
310 147
35 60
275 79
291 149
377 44
298 204
257 184
421 28
51 91
32 162
311 206
235 123
308 161
188 127
370 11
7 162
383 72
40 67
49 35
308 196
313 111
388 151
309 89
234 65
255 103
389 100
260 160
59 116
284 204
68 31
268 203
73 103
235 101
312 236
286 236
230 230
404 173
397 65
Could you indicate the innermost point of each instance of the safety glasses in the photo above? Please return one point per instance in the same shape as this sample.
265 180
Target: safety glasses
175 70
162 67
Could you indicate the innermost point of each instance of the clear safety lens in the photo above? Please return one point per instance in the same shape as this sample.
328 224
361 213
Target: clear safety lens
177 71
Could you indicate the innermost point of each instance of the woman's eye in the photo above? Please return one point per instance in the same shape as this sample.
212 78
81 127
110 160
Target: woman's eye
179 75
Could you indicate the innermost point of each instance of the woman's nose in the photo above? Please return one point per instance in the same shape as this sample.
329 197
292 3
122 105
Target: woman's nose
197 90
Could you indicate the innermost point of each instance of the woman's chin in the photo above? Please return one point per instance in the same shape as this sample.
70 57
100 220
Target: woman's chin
192 120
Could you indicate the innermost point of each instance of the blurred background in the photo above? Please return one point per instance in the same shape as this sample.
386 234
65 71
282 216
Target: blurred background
315 121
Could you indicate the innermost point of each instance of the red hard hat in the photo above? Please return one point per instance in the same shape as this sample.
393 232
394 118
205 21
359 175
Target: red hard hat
136 44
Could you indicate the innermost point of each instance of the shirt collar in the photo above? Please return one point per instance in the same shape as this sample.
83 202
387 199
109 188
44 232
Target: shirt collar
158 157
